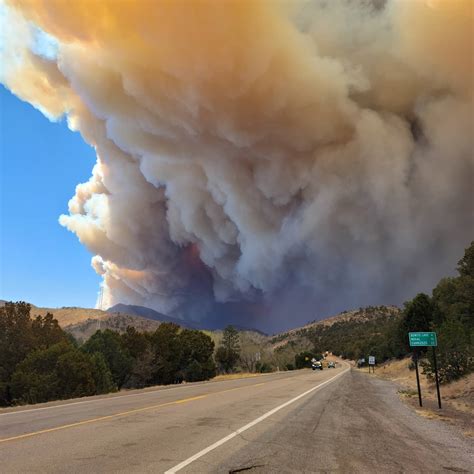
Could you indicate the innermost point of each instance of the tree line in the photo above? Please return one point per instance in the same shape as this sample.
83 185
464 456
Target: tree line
41 362
449 312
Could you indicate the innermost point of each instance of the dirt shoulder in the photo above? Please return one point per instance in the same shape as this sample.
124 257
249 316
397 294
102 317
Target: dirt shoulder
457 397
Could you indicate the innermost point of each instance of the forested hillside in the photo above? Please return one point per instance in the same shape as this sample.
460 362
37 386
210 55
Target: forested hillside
350 335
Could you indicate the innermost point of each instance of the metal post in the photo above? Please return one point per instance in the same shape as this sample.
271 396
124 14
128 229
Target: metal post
436 377
417 377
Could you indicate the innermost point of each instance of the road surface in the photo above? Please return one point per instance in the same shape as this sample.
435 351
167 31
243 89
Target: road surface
302 421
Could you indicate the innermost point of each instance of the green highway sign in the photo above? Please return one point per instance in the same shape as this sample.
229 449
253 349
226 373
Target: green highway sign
422 339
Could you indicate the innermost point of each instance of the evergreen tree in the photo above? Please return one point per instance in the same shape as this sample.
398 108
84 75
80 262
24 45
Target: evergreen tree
19 336
59 371
166 349
418 315
228 353
303 359
197 349
109 344
104 382
454 352
466 264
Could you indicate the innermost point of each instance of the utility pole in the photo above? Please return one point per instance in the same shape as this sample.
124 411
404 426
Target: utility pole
100 302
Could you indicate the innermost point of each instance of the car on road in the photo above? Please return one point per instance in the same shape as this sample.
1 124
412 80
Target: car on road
316 365
331 365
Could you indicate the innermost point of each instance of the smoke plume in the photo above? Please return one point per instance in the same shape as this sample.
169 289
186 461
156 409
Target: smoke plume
296 156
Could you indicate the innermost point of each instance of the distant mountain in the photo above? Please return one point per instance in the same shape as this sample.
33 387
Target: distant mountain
209 324
149 313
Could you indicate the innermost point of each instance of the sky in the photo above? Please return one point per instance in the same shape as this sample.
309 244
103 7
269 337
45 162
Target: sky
41 163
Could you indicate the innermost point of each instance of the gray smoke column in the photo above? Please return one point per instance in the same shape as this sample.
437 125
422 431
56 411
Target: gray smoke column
308 156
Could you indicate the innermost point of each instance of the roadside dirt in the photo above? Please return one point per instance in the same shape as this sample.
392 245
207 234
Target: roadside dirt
457 398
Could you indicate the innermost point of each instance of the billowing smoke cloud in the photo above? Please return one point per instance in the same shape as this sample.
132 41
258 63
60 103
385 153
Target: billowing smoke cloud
305 156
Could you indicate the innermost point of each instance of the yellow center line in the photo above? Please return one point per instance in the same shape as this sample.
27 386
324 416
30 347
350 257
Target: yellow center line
124 413
101 418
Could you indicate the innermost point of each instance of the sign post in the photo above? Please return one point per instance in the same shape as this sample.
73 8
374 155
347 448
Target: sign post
372 363
436 377
425 339
415 353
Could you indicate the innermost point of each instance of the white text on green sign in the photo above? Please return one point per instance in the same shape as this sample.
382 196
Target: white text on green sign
422 339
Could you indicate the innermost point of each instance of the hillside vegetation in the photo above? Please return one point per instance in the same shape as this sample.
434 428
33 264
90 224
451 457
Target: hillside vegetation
39 361
346 334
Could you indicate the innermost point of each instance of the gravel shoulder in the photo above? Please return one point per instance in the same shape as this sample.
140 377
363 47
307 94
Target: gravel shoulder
356 425
457 397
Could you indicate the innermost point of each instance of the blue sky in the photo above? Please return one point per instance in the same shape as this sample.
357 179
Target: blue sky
41 163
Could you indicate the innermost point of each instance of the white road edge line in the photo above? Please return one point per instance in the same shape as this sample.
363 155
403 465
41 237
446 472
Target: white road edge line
210 448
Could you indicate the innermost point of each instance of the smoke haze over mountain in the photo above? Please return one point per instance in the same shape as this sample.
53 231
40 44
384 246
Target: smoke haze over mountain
286 158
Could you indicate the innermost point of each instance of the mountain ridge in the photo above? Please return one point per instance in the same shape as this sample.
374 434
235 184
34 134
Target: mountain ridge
83 322
148 313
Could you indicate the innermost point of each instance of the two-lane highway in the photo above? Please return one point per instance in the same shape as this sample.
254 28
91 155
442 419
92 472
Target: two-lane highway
302 421
145 431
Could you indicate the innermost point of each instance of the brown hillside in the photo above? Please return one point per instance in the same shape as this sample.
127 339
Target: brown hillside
114 321
83 322
67 316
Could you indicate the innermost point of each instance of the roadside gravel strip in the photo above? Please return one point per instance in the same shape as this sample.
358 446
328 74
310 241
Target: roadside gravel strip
250 425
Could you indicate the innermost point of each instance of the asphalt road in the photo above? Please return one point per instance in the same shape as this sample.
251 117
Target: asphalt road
303 421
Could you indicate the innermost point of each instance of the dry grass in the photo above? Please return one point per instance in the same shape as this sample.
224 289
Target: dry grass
457 397
459 393
398 372
70 315
431 415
